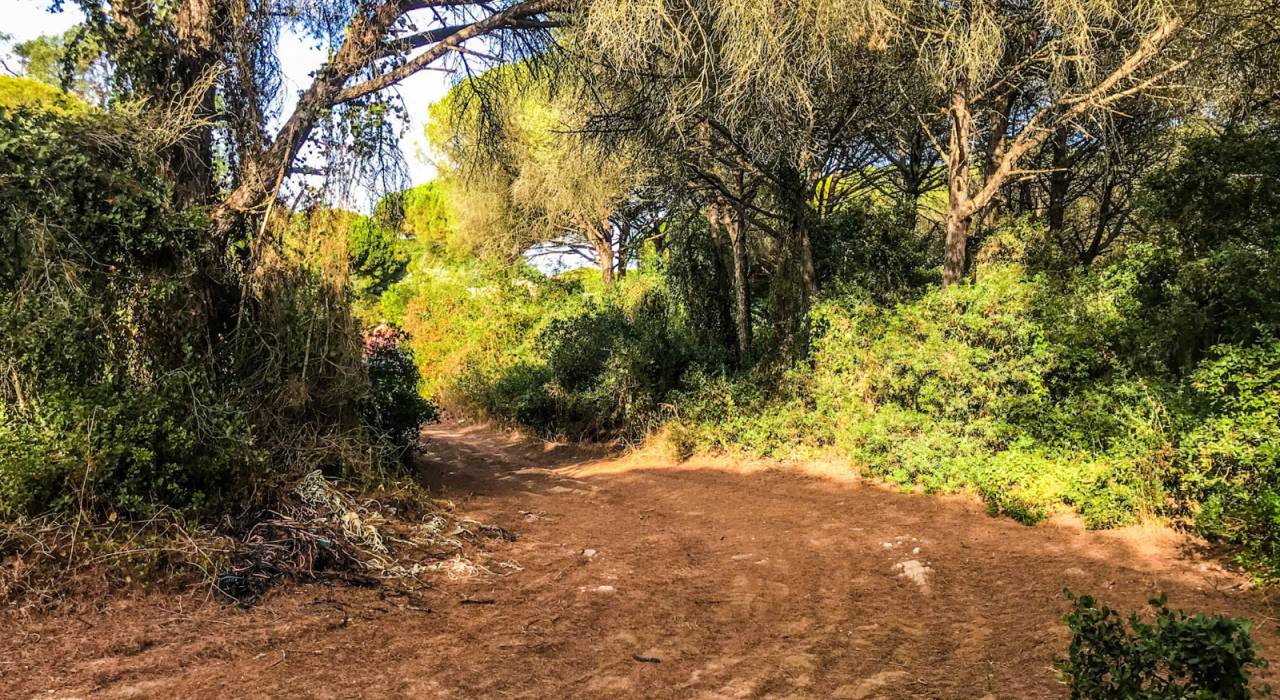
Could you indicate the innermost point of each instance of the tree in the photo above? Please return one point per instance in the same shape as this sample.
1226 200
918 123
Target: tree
72 61
522 174
376 255
777 93
1012 75
220 55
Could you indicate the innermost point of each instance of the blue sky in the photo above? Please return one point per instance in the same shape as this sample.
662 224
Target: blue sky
27 19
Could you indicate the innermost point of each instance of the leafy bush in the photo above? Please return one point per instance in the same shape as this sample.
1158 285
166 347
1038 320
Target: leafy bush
126 449
139 373
394 409
877 253
1232 457
1007 387
1212 274
1178 656
559 355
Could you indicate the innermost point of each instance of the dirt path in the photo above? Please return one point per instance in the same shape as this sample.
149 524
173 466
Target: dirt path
643 579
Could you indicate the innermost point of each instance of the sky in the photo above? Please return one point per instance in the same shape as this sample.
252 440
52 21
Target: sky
28 19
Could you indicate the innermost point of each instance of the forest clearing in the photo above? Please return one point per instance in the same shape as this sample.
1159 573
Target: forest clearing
640 348
644 578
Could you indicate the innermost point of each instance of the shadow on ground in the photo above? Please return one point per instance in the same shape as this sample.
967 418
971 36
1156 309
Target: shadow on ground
641 578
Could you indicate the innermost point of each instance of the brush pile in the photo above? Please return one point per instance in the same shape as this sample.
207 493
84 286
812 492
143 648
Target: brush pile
322 533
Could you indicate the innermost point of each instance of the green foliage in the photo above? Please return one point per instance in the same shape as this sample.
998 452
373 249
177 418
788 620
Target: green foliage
1178 656
70 61
377 257
394 408
134 376
994 387
126 448
102 407
612 366
17 93
422 215
1233 455
546 353
1213 275
873 250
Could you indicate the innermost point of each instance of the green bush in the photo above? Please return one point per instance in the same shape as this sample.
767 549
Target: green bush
1007 387
1231 459
138 370
377 258
126 449
877 253
394 410
1178 656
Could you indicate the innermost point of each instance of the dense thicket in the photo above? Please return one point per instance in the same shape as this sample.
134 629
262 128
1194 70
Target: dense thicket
179 293
123 388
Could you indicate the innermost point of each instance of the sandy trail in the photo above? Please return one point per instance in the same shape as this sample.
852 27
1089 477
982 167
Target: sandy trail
644 579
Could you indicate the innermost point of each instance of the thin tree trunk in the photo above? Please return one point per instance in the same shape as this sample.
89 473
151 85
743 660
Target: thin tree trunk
624 236
730 232
809 275
602 242
741 283
1059 182
720 223
959 202
1105 212
996 140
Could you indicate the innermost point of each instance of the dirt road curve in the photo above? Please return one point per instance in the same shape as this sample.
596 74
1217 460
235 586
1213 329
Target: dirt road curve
643 579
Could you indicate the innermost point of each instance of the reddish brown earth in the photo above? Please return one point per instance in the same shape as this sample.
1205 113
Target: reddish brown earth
722 581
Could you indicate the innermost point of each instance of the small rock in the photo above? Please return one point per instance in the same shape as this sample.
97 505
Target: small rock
1074 571
887 545
588 553
916 572
604 589
915 550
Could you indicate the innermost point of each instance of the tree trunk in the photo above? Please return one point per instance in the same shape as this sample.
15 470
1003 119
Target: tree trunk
996 140
623 238
800 268
606 264
959 202
1059 183
602 242
191 159
728 228
1102 230
741 283
809 275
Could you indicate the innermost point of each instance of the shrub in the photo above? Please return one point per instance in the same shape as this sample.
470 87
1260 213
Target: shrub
1007 387
1230 462
138 370
394 410
127 449
875 253
1177 656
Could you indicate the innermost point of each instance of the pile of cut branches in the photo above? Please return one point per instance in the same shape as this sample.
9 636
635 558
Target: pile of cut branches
321 532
